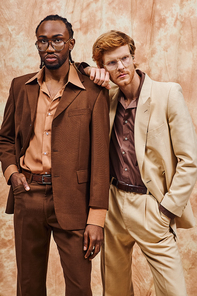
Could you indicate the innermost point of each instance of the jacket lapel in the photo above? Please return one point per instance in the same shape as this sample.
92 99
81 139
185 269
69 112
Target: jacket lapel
67 98
70 93
113 107
142 121
32 91
32 95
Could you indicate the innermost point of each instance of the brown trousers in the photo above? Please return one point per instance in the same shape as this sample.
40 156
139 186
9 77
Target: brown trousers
34 220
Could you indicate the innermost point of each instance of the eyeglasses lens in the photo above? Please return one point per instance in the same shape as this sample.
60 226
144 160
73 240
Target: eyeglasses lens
42 46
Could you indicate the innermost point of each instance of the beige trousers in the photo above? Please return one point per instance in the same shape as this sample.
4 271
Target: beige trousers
136 218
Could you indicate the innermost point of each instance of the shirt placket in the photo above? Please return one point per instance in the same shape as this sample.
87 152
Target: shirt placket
46 143
125 143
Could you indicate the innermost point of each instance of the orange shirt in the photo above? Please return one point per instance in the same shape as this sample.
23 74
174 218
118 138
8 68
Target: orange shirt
37 158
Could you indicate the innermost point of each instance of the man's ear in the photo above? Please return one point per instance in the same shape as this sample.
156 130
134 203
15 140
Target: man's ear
71 44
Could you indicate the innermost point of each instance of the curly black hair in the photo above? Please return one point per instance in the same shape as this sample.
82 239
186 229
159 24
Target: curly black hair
56 17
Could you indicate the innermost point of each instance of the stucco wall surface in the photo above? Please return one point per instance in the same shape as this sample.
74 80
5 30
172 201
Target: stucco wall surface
166 38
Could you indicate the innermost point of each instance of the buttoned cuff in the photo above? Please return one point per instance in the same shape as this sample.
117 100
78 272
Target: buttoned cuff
11 169
97 217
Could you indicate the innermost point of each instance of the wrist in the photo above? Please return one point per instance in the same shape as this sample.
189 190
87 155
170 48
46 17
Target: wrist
167 213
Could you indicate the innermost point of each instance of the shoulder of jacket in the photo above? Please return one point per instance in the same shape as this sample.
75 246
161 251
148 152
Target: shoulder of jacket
24 78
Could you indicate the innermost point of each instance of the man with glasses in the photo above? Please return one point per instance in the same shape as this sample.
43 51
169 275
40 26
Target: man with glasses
153 167
54 153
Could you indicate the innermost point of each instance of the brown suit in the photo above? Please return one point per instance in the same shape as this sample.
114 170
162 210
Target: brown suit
80 180
79 148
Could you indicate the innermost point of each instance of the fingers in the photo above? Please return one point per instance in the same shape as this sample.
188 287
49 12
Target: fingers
93 239
18 179
100 76
25 184
85 241
95 250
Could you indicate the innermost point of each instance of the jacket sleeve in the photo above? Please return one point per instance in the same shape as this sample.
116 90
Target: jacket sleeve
7 133
99 180
184 144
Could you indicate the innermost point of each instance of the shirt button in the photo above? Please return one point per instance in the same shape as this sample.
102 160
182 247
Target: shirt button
126 169
47 133
49 113
45 153
125 121
123 152
126 139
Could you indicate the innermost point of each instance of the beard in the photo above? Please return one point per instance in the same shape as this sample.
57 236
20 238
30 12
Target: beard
52 67
56 65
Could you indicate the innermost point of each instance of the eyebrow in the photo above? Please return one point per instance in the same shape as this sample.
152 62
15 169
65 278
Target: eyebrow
56 35
115 59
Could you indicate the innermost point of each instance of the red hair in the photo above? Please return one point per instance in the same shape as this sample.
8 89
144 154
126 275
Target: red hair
110 41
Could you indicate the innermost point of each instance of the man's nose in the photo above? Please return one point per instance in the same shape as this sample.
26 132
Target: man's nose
120 65
50 47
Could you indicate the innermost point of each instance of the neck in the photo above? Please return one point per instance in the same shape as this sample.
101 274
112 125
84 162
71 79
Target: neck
131 90
58 75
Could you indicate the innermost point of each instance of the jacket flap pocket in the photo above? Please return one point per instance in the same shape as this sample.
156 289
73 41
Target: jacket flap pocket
82 176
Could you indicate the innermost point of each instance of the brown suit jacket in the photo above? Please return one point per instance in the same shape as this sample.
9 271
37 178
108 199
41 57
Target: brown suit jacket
79 146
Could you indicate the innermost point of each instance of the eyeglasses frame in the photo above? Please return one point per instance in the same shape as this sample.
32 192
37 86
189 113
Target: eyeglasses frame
49 41
119 59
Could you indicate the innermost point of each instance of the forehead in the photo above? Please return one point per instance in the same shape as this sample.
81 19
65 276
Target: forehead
52 28
116 53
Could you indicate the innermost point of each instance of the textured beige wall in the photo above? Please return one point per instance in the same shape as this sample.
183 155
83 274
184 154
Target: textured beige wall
166 37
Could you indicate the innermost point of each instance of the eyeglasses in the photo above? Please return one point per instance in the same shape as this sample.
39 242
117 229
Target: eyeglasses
113 65
57 44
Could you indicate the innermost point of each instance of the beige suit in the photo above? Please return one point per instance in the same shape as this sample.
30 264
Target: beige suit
164 145
166 150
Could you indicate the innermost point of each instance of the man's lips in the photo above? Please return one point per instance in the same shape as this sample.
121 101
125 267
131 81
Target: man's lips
122 75
50 58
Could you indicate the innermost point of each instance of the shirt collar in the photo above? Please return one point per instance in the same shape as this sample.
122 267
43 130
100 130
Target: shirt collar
72 77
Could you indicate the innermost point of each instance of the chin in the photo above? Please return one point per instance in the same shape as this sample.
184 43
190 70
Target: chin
52 67
122 83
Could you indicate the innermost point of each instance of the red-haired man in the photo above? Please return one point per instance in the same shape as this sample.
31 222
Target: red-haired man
153 165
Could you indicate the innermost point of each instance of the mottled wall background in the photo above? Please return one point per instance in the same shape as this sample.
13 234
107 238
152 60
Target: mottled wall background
166 37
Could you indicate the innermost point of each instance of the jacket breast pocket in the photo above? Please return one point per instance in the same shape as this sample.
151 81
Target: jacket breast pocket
78 112
156 143
156 132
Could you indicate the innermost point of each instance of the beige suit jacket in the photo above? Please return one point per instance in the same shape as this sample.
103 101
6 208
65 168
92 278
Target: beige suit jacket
165 145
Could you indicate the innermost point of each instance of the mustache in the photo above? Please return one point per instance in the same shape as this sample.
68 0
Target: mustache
42 62
121 72
50 55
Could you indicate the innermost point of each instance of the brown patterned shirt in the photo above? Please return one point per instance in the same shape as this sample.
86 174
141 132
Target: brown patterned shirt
123 162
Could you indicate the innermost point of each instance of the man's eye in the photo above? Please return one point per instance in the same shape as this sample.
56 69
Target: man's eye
125 58
57 40
112 63
43 41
